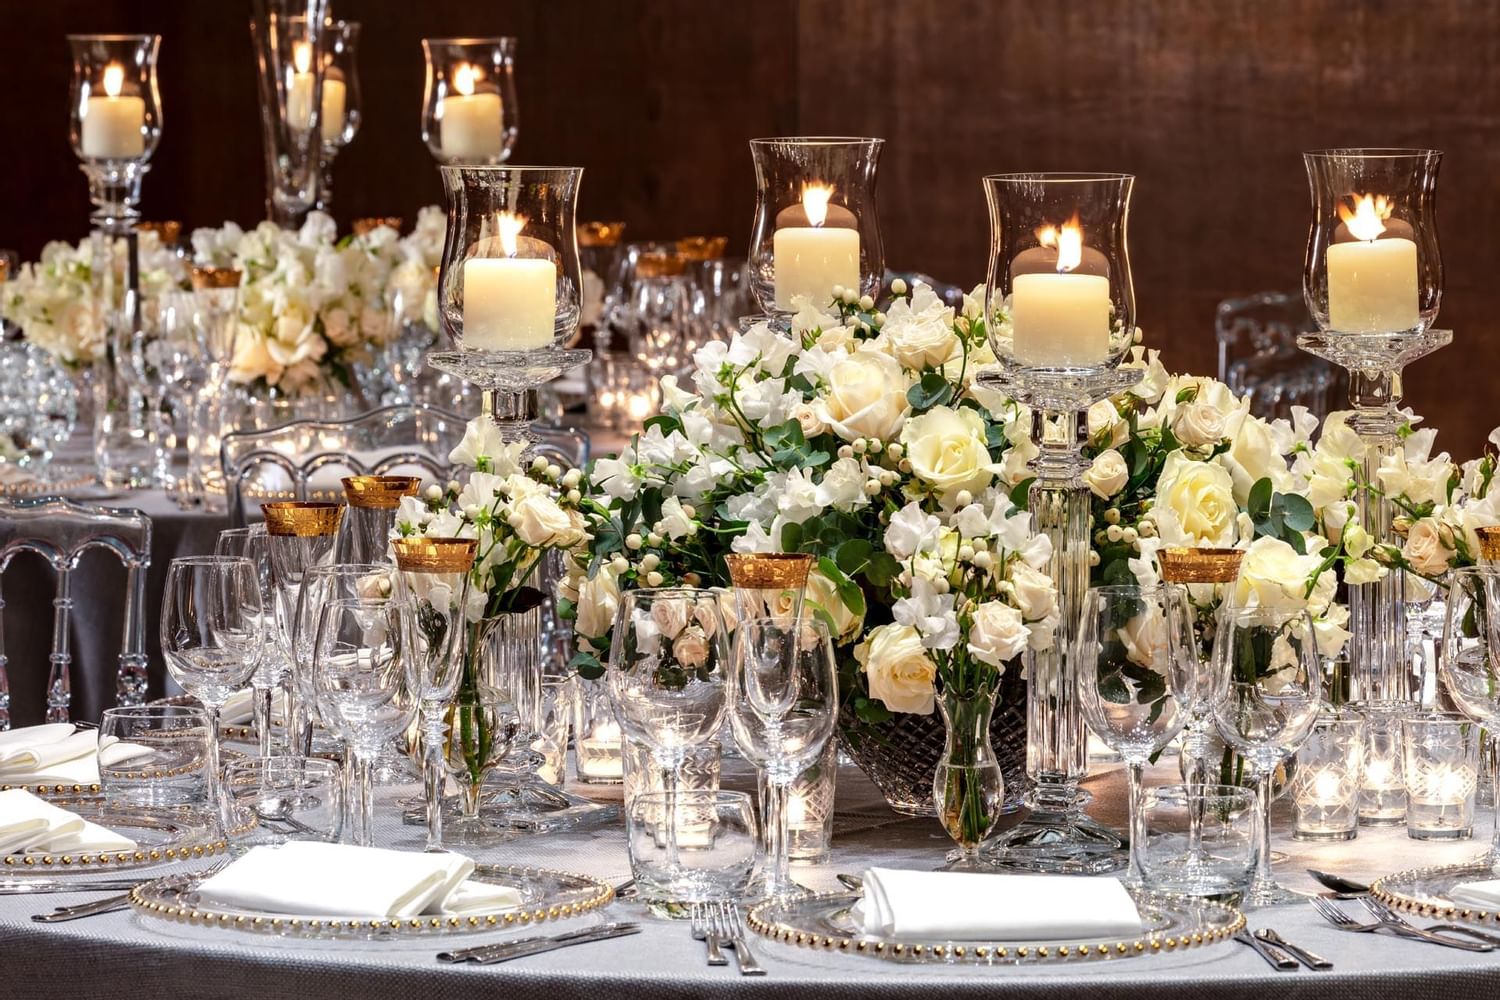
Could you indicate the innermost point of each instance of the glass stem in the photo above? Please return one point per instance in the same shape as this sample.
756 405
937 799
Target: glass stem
780 878
364 831
1263 876
1492 750
1135 769
1195 776
262 705
432 759
351 791
214 792
669 787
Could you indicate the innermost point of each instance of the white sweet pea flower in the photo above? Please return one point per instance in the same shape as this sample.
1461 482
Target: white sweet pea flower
843 486
619 476
796 495
674 520
930 613
911 530
755 539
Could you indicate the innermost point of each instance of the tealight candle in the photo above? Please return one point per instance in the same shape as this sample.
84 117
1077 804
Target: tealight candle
471 131
113 125
1372 275
1442 775
510 301
816 248
1059 302
601 755
1382 794
1325 784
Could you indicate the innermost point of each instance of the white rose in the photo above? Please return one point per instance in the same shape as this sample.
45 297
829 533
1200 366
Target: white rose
1198 423
538 521
1273 575
1195 503
1253 455
1034 592
998 634
670 616
865 397
901 674
946 448
919 332
691 649
1105 423
807 418
1145 637
1107 474
598 600
823 596
1426 549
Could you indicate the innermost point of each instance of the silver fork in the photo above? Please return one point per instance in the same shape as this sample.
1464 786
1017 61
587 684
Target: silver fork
109 904
729 924
1338 918
701 919
1380 911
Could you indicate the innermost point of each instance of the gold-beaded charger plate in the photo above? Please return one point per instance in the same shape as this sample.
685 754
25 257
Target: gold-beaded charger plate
545 895
827 922
162 836
1425 892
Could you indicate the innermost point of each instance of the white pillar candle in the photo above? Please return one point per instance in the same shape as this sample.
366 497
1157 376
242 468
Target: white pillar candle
299 92
510 302
1060 320
816 248
112 127
1372 282
332 109
471 123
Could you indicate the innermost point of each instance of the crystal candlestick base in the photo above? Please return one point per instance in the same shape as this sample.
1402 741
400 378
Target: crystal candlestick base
507 378
1377 611
1056 836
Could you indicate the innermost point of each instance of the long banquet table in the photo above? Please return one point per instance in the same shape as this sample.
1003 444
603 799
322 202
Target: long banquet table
123 954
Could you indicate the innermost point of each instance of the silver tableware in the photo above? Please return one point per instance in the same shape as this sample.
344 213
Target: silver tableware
18 887
1380 911
1301 954
853 883
507 951
1344 888
109 904
730 925
701 926
1274 956
1338 918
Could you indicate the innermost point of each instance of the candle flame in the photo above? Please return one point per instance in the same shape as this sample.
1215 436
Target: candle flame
1366 221
302 57
510 227
815 198
1067 240
464 78
114 79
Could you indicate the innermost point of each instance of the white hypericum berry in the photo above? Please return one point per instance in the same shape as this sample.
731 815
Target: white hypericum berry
905 465
1112 516
983 559
434 492
1099 538
1113 533
633 542
650 561
453 486
879 318
872 486
1148 528
653 539
691 579
898 287
689 510
472 511
838 292
554 471
619 565
849 295
573 496
1129 535
966 553
875 446
539 464
845 451
887 477
1093 558
653 579
859 446
964 498
866 303
572 478
895 451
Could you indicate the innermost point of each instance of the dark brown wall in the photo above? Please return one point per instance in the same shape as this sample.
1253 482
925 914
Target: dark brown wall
1209 102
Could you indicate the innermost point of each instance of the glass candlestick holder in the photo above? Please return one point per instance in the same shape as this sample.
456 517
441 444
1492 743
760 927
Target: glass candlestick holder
1373 281
115 121
290 59
340 114
816 225
469 103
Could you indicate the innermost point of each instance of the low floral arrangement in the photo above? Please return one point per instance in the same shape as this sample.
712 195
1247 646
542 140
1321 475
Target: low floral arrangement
313 306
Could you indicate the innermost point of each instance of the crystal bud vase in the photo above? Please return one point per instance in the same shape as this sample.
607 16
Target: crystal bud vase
968 788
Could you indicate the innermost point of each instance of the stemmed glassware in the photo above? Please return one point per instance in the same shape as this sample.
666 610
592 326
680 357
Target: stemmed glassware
1128 686
360 673
255 545
667 677
211 634
1470 660
1270 701
216 303
782 706
433 579
317 585
302 536
364 535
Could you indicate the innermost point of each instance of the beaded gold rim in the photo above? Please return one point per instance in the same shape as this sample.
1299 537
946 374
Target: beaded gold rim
302 518
768 570
599 894
1420 908
363 227
215 277
1184 565
1489 542
984 951
46 790
379 492
140 856
600 234
434 555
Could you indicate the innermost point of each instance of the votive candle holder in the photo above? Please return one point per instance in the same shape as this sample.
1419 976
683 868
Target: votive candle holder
1441 753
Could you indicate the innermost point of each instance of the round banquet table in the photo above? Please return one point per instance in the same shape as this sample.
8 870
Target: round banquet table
122 953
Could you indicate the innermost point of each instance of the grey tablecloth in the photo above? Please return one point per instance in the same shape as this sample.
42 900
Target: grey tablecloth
122 954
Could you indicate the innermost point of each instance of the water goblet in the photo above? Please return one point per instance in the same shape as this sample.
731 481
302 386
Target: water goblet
1469 664
254 544
1270 702
1128 687
782 707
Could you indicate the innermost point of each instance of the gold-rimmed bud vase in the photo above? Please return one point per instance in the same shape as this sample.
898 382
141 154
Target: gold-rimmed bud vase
1188 565
768 584
367 525
1489 544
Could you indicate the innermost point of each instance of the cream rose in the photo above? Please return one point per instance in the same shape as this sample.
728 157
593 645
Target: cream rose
1195 503
901 674
1426 549
1034 592
865 397
946 448
1108 474
807 418
1105 423
538 520
690 649
1273 575
670 616
998 634
1198 423
920 343
823 596
598 600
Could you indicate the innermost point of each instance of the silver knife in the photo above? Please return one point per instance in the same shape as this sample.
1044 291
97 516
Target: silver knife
25 886
1301 954
106 905
1274 956
507 950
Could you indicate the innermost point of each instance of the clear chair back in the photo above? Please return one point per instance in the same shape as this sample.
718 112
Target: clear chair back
1259 357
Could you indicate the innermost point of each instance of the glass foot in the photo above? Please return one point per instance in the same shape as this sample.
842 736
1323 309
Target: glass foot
960 860
476 831
1058 844
1261 895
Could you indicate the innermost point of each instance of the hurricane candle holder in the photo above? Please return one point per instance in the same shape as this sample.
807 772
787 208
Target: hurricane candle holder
510 287
291 62
1060 314
339 106
1442 775
1382 790
1326 783
1373 280
816 226
469 103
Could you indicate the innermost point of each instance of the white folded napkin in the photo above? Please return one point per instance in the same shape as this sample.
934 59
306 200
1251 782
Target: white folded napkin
312 878
55 754
239 710
30 824
959 906
1485 894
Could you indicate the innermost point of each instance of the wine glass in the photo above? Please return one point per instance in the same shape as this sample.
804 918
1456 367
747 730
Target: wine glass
1129 689
317 586
666 672
303 534
1468 665
360 676
1267 708
211 634
254 544
783 703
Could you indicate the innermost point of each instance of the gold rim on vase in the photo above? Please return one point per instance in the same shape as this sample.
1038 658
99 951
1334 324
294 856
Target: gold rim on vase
768 570
215 277
600 234
363 227
379 492
1186 565
1489 542
434 555
302 518
169 231
697 248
